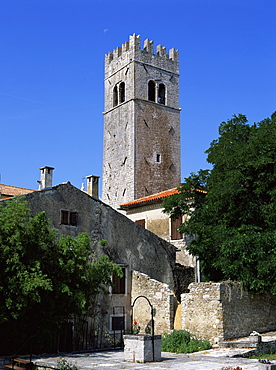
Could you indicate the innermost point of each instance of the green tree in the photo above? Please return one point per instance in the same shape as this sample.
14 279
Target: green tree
233 225
45 279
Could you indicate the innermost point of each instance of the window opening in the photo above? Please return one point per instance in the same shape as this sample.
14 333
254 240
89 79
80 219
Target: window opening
172 168
117 323
68 218
122 92
175 234
73 218
115 96
172 131
64 217
151 90
117 319
158 158
161 94
119 283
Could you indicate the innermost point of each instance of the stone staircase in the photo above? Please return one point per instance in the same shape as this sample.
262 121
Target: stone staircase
265 344
20 364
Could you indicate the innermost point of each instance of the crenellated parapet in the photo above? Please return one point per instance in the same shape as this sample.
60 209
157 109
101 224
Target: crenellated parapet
131 51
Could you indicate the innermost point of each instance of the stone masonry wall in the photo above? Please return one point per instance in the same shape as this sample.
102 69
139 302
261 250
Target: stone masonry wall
141 153
202 311
221 311
245 311
161 298
128 244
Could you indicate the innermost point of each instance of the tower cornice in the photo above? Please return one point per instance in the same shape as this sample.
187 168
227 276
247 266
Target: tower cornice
144 101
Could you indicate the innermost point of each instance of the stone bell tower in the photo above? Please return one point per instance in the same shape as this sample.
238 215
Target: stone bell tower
141 154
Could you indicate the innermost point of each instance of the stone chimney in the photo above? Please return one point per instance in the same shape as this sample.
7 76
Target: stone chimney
46 177
93 186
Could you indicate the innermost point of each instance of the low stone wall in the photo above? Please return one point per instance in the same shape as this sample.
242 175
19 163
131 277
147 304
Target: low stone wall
202 311
222 311
161 298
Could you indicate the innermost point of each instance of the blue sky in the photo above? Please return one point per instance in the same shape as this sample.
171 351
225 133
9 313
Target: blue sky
52 64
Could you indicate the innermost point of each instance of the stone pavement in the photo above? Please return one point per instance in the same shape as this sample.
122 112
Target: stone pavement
114 360
213 359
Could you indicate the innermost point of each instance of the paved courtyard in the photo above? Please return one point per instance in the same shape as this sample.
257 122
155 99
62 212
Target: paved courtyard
211 360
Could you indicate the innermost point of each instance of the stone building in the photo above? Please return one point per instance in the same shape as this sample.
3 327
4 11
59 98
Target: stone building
148 212
9 191
148 262
141 154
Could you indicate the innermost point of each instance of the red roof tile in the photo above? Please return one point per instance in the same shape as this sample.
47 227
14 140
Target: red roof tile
13 190
151 198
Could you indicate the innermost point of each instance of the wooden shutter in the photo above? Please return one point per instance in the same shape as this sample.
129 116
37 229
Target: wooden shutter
175 235
141 223
73 218
119 283
64 215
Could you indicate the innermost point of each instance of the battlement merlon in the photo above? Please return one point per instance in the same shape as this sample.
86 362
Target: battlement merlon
132 50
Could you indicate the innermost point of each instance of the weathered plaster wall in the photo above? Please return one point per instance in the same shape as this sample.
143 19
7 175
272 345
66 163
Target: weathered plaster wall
221 311
159 223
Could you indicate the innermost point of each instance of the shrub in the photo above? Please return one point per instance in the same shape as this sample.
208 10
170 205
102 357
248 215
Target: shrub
63 364
181 341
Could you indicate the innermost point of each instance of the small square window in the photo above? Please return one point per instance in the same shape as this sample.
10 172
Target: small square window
117 323
68 218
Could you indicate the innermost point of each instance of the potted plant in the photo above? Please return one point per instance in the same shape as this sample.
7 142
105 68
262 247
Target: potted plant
135 328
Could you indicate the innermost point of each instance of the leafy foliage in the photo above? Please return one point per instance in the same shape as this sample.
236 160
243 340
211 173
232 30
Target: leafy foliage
64 364
234 224
45 279
181 341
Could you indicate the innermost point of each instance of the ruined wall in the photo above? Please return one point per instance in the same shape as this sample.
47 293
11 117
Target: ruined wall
221 311
162 299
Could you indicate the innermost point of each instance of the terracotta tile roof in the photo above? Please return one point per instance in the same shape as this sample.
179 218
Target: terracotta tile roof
152 198
12 191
